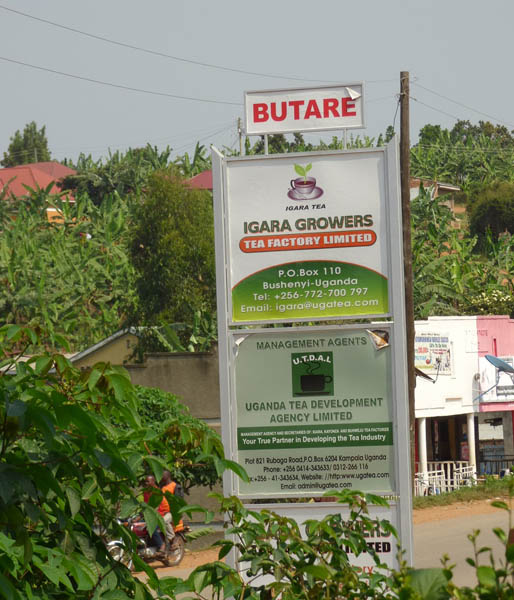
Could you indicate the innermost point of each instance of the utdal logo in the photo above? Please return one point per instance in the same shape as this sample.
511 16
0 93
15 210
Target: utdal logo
304 187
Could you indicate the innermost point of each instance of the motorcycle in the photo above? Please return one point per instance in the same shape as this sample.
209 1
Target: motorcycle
175 550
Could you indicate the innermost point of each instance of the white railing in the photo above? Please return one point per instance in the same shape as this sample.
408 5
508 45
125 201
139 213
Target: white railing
444 476
464 476
431 482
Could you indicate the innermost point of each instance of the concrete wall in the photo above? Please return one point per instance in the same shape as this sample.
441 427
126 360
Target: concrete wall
192 376
495 335
452 394
116 350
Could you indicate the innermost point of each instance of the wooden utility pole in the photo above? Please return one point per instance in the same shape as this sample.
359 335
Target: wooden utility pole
407 256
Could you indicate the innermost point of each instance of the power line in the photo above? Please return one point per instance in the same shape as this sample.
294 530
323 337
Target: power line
119 86
463 105
204 132
366 101
208 135
170 56
434 108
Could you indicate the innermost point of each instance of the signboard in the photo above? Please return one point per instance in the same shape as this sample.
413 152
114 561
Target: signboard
308 235
312 237
382 542
433 353
313 412
304 109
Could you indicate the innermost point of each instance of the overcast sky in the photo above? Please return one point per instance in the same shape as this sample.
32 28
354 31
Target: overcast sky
458 52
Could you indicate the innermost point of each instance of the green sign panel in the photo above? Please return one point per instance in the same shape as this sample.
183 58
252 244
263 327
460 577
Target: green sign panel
314 412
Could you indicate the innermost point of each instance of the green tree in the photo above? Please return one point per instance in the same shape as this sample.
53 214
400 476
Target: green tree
28 147
121 173
451 277
492 209
172 252
189 167
464 131
467 155
167 417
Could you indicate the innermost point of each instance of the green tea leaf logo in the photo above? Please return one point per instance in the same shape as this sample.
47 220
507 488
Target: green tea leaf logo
302 171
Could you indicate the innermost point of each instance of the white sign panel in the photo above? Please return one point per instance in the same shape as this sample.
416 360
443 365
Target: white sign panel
304 109
308 235
380 540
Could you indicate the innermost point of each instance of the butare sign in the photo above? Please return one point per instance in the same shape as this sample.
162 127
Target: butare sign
304 109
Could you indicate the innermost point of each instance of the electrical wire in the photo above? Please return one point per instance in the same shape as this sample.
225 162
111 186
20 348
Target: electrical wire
366 101
463 105
121 145
396 111
172 57
119 86
434 108
209 135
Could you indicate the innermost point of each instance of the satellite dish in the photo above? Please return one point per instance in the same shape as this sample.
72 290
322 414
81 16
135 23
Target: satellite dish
500 364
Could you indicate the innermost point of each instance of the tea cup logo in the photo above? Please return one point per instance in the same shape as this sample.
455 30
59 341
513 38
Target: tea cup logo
304 187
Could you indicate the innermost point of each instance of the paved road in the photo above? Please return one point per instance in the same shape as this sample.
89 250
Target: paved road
432 540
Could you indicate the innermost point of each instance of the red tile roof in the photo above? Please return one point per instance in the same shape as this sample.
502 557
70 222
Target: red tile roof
33 175
202 181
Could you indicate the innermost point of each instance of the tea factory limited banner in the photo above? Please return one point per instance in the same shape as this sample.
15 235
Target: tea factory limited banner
308 236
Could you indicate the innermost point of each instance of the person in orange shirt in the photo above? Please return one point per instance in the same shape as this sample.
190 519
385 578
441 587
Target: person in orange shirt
168 485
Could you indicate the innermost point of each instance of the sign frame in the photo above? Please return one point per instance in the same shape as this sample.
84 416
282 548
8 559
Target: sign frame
391 216
399 410
396 325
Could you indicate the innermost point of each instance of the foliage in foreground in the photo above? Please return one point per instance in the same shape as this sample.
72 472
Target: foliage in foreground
68 472
280 559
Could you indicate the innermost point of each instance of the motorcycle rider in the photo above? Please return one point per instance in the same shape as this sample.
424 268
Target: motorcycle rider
168 485
157 538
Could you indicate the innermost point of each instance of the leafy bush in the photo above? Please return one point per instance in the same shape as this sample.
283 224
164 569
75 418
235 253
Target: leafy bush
67 472
162 412
172 252
492 209
281 562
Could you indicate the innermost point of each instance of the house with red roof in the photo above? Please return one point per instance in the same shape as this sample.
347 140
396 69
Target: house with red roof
36 175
